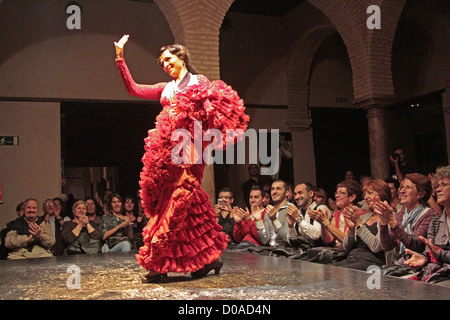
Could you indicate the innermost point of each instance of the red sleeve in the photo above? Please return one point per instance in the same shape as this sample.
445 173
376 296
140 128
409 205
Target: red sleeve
152 92
238 233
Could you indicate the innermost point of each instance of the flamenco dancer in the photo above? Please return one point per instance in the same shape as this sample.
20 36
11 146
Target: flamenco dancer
182 234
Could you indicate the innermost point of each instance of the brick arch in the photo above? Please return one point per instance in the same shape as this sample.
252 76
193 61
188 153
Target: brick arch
369 50
196 24
299 68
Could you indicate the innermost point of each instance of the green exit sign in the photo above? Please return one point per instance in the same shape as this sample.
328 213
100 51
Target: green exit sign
9 141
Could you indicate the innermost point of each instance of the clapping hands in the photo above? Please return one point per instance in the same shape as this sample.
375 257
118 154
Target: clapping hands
240 214
35 231
319 216
384 210
351 216
272 212
292 215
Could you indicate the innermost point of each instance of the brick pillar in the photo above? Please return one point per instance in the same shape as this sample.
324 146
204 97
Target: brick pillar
303 143
446 108
376 120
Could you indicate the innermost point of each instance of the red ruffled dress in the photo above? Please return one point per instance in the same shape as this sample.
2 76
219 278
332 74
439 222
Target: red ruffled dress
182 234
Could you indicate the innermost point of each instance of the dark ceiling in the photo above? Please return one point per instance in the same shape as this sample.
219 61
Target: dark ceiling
274 8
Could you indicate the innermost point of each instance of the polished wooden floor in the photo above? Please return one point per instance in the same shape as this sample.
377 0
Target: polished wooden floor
244 276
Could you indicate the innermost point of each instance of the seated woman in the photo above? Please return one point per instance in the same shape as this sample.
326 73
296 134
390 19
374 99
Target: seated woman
348 194
395 201
137 216
93 209
116 227
320 197
435 261
362 241
81 235
402 230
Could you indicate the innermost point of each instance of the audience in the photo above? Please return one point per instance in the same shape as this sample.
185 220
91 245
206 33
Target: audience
348 194
245 231
349 174
320 197
102 200
137 217
266 198
277 234
399 164
434 262
29 236
432 200
400 219
93 210
255 179
362 241
60 210
52 215
81 235
224 212
290 193
395 201
116 227
402 230
19 209
298 217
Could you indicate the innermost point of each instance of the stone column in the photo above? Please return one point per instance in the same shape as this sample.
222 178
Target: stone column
303 149
376 119
446 108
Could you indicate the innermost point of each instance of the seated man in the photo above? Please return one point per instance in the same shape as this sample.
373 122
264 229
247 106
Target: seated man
224 212
299 219
274 230
245 230
29 236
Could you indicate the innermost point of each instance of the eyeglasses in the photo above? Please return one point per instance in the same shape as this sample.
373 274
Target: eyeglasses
406 187
443 185
340 193
51 204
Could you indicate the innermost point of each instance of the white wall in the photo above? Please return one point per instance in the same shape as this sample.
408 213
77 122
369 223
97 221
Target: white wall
33 168
42 58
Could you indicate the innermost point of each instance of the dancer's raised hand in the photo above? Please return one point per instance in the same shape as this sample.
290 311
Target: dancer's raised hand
119 46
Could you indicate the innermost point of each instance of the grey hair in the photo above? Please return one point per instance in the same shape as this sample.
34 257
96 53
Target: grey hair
443 172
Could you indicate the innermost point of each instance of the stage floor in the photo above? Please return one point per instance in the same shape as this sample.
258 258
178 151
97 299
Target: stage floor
244 276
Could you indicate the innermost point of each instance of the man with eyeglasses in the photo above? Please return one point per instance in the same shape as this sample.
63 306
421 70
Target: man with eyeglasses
224 213
52 216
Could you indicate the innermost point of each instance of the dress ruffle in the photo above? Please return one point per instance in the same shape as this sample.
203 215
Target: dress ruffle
182 233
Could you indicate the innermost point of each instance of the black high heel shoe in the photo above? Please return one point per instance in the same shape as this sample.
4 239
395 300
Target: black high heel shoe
153 278
216 265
